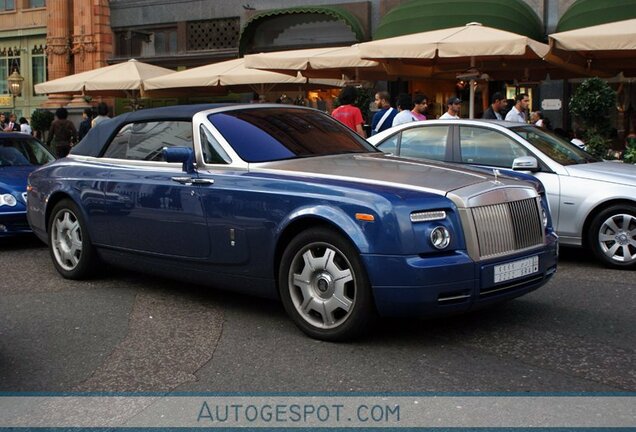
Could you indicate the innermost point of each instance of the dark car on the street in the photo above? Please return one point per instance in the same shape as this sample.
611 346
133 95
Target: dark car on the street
20 154
285 202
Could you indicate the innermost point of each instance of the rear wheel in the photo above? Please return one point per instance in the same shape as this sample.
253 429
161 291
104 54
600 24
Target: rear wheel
612 236
324 286
69 244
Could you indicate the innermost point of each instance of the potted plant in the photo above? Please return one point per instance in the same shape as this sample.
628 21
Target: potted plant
41 123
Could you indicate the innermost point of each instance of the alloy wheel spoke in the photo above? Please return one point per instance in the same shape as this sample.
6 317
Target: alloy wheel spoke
310 261
300 280
612 251
612 225
327 315
626 222
627 254
606 237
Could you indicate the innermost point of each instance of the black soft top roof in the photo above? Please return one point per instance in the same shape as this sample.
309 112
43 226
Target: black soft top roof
94 141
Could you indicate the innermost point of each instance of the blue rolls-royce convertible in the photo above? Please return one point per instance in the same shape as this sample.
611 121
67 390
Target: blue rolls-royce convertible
283 201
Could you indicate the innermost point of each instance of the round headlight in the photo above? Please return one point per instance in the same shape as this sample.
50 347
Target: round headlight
8 199
440 237
544 217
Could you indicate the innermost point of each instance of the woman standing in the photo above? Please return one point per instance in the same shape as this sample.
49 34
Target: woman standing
62 133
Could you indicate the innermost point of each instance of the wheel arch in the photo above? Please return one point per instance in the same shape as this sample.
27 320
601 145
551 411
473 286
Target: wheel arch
55 198
349 231
595 212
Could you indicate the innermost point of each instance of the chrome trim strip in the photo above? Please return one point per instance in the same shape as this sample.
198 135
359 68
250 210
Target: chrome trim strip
459 297
507 287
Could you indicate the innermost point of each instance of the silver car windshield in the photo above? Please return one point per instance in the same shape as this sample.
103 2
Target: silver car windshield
554 146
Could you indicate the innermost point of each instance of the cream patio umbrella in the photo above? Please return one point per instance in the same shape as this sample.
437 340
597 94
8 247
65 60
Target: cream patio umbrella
473 48
610 47
332 62
230 73
127 78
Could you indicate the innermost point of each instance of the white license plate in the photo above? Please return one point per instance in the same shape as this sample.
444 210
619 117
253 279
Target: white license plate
516 269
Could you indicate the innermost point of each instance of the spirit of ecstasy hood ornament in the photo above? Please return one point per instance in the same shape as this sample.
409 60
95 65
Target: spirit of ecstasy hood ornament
496 173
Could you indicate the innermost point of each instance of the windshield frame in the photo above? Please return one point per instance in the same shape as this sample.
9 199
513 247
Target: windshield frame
553 146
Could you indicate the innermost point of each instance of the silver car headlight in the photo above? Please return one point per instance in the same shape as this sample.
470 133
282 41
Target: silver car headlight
440 237
8 200
544 217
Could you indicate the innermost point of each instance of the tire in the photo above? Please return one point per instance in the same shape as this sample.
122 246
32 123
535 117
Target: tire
612 236
324 287
70 246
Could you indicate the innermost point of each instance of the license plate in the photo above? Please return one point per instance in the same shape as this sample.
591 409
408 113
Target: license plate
516 269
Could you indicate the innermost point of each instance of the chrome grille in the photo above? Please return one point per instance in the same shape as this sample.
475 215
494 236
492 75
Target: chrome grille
508 227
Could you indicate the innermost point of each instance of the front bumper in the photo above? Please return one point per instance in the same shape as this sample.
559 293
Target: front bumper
12 223
431 286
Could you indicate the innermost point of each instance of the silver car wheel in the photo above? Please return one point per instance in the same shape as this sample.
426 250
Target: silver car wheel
66 239
322 285
617 238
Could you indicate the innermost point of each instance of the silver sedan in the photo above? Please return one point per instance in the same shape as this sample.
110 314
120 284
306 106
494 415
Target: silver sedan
593 202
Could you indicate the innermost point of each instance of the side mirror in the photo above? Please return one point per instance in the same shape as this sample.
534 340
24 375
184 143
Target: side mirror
185 155
525 163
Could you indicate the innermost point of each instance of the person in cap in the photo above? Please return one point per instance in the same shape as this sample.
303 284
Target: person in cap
454 107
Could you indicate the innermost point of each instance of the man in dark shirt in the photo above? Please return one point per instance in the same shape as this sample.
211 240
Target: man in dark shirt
498 105
382 119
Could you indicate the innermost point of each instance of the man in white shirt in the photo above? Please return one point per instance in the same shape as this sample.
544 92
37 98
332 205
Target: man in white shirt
518 112
404 104
454 107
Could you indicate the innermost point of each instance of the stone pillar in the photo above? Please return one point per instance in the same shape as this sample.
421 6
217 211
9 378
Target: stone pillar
58 47
92 37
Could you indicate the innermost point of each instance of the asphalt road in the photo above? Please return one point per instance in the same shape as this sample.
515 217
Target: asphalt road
130 332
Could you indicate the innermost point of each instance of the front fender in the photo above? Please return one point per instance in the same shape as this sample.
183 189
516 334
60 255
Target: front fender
350 228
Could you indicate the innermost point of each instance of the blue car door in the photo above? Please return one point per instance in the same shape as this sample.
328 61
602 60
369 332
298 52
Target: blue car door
149 206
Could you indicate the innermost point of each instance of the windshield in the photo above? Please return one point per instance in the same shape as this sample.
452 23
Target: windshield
269 134
553 146
23 152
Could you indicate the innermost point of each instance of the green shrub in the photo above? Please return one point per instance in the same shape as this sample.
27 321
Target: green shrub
41 121
590 105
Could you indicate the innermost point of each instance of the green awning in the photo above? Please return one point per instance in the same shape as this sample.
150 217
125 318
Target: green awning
587 13
247 33
424 15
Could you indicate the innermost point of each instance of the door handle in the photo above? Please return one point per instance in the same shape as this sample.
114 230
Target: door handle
202 181
183 180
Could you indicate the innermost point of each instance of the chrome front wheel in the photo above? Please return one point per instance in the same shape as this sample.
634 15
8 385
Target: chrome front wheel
324 287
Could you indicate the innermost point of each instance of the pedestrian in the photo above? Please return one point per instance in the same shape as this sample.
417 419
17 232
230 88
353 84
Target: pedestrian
420 106
383 119
518 112
85 124
12 125
3 121
536 118
62 133
404 105
454 105
497 106
102 114
25 128
347 113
